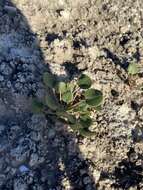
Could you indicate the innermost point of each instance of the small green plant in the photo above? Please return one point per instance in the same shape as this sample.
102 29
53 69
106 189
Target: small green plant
133 69
72 102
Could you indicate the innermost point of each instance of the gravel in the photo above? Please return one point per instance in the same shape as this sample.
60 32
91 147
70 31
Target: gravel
99 38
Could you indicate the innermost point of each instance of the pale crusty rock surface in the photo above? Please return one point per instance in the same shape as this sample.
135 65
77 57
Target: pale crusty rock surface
96 37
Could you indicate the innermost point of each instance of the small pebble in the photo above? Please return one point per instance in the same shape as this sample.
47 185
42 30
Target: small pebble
23 168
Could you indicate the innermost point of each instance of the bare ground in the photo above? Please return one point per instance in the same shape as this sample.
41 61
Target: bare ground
67 37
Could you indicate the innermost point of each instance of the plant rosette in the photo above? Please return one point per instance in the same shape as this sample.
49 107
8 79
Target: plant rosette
71 102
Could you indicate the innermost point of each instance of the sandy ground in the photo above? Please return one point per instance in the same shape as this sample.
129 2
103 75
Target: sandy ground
96 37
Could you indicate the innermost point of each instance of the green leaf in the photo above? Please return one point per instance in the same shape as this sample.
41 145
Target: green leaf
69 87
93 97
82 106
84 82
51 101
71 119
72 86
66 91
86 121
37 107
67 97
62 87
133 69
49 80
86 133
98 108
68 118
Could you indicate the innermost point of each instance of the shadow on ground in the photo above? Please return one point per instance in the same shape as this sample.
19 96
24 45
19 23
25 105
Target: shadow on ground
27 160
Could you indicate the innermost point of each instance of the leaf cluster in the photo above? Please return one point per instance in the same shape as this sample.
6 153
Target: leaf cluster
72 102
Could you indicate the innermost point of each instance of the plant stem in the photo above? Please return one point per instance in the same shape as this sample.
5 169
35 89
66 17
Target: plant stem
76 93
73 106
